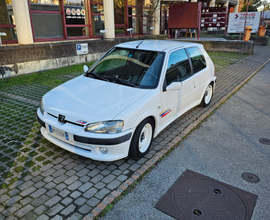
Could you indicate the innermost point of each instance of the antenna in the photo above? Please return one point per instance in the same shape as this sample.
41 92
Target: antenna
139 44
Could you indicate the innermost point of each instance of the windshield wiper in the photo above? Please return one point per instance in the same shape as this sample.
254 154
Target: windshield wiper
123 82
97 76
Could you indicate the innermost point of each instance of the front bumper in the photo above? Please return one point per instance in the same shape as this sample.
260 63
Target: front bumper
84 143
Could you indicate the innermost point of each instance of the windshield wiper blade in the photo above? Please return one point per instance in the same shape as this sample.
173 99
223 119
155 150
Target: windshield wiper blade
97 76
124 82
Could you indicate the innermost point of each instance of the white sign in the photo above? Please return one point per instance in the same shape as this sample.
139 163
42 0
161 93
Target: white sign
82 48
237 21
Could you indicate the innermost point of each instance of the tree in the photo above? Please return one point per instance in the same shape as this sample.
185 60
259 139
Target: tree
251 8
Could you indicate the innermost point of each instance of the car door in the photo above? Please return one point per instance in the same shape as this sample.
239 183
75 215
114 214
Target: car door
201 71
173 103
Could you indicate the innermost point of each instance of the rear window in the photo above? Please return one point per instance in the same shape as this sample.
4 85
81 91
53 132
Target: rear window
197 59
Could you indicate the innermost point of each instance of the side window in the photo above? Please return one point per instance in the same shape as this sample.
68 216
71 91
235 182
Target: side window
197 59
178 68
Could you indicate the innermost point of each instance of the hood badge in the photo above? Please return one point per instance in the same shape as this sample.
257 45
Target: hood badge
61 118
83 122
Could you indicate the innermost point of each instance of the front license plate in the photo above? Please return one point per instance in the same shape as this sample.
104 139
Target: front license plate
58 132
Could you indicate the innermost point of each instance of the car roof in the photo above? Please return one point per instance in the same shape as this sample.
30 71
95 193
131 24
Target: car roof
156 45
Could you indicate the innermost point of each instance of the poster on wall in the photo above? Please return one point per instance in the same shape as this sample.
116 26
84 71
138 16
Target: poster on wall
237 21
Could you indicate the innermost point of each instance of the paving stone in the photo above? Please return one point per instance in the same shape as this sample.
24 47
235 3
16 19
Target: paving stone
108 178
85 209
8 218
13 192
66 201
93 173
28 216
97 178
111 167
50 185
71 180
60 187
39 184
58 166
40 200
75 216
46 167
134 167
84 179
57 217
38 193
102 193
102 166
91 166
79 166
122 178
99 185
11 209
39 210
89 193
48 172
80 201
114 184
28 177
43 217
28 191
75 185
53 201
35 173
58 173
24 210
26 200
70 166
117 172
85 187
52 192
67 161
4 190
60 179
71 173
68 210
64 193
26 185
13 185
13 200
82 172
75 194
55 209
105 172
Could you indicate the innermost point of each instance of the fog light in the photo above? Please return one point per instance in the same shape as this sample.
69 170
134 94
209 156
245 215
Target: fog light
103 150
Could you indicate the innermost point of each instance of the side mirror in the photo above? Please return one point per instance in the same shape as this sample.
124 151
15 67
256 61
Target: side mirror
85 68
174 86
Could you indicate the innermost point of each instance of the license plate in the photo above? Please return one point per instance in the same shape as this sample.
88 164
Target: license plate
58 132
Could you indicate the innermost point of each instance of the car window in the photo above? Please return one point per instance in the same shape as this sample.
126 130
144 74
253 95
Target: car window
178 68
197 59
129 66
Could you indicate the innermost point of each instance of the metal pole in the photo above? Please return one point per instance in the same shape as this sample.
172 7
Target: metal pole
246 19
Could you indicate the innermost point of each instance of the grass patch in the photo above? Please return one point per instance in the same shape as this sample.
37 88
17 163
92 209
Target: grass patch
7 175
30 163
13 180
4 159
51 77
8 151
3 147
16 154
55 157
28 142
2 169
46 162
40 158
32 154
18 146
3 186
22 159
25 173
25 149
36 168
18 169
31 135
11 164
50 153
42 149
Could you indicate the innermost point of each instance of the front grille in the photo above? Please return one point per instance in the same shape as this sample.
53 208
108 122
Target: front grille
67 120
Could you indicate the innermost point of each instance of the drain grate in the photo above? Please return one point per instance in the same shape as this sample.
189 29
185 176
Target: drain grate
250 177
265 141
195 196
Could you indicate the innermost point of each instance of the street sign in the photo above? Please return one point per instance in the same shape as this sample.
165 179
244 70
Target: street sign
82 49
237 21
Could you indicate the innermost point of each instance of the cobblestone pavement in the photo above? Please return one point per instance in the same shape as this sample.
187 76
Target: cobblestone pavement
39 180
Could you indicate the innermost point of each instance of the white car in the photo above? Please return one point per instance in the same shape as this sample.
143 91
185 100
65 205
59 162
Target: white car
127 98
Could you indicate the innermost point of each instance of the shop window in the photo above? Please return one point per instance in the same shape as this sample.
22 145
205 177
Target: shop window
46 19
119 17
7 22
97 18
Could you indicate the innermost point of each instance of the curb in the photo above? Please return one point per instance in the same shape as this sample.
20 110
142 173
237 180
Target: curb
147 165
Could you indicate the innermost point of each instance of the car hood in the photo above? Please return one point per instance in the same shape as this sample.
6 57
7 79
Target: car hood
90 100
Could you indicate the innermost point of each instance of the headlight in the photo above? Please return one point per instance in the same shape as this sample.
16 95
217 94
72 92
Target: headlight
41 107
105 127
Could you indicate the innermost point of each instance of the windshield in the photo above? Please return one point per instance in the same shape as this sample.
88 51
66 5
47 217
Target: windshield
130 67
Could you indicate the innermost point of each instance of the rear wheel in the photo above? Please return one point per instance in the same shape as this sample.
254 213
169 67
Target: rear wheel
207 95
142 139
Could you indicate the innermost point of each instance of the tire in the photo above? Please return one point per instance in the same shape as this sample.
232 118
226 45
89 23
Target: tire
142 139
207 97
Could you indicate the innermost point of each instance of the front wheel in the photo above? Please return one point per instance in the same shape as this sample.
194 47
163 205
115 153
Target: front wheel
207 95
142 139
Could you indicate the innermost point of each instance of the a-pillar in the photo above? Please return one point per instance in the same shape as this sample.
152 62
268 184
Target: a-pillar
156 24
108 6
23 23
